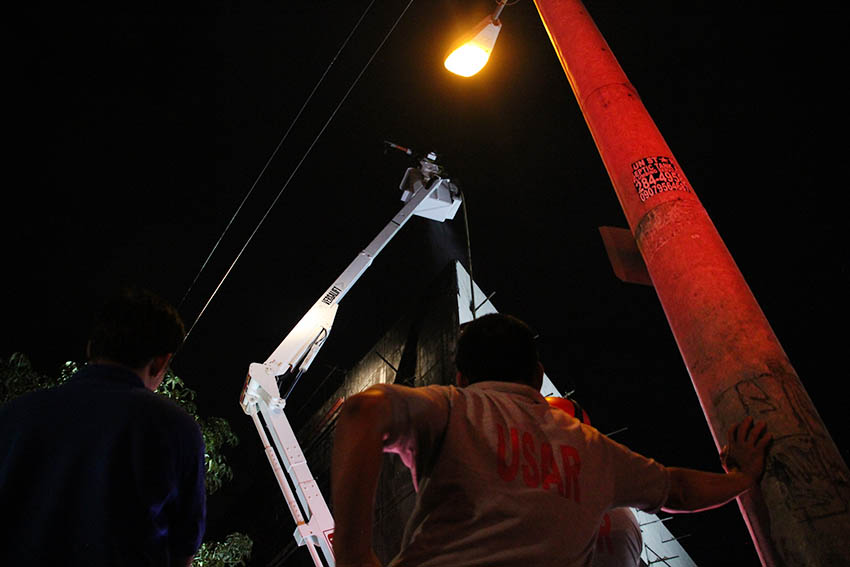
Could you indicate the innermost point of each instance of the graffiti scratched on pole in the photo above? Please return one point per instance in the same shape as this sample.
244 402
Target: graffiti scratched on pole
803 462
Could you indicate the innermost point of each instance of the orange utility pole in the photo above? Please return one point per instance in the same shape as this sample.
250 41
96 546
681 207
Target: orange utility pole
801 514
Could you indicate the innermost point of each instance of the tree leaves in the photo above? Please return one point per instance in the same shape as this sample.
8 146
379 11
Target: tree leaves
216 432
234 551
17 377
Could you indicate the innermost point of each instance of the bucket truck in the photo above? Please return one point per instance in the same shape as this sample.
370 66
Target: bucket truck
426 193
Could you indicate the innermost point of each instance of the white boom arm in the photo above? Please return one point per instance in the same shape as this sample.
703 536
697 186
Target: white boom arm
425 194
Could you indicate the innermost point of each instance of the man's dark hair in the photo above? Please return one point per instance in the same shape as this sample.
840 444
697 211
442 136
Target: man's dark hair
496 347
133 327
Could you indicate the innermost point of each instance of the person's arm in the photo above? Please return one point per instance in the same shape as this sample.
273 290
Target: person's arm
743 458
188 512
363 423
384 418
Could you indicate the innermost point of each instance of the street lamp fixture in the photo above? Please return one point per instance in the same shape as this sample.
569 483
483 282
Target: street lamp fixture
474 51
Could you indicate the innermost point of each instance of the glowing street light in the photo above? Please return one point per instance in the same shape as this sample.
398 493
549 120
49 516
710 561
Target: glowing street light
473 53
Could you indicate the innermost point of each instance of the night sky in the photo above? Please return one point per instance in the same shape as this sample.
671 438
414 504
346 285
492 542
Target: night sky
134 133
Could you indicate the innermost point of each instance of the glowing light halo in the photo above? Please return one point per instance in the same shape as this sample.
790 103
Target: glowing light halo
467 59
471 56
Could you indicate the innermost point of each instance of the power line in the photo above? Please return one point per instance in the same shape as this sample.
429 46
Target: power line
298 165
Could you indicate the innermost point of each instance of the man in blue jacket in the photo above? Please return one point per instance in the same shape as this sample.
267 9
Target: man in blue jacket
101 470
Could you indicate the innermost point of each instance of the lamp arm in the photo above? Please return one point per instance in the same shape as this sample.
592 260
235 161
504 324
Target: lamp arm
498 11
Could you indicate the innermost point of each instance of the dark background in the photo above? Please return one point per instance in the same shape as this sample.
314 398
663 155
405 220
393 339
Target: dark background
135 131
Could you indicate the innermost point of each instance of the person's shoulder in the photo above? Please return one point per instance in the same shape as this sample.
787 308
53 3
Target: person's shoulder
501 392
433 394
160 411
31 412
10 408
26 403
163 404
402 390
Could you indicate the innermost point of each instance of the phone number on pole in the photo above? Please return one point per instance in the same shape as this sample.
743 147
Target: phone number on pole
657 174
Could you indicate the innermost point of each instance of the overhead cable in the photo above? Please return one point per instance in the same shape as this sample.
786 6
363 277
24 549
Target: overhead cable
301 161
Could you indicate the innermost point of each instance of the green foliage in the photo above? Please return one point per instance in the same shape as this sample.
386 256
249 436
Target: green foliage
216 431
17 377
67 370
234 551
173 387
236 548
217 435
